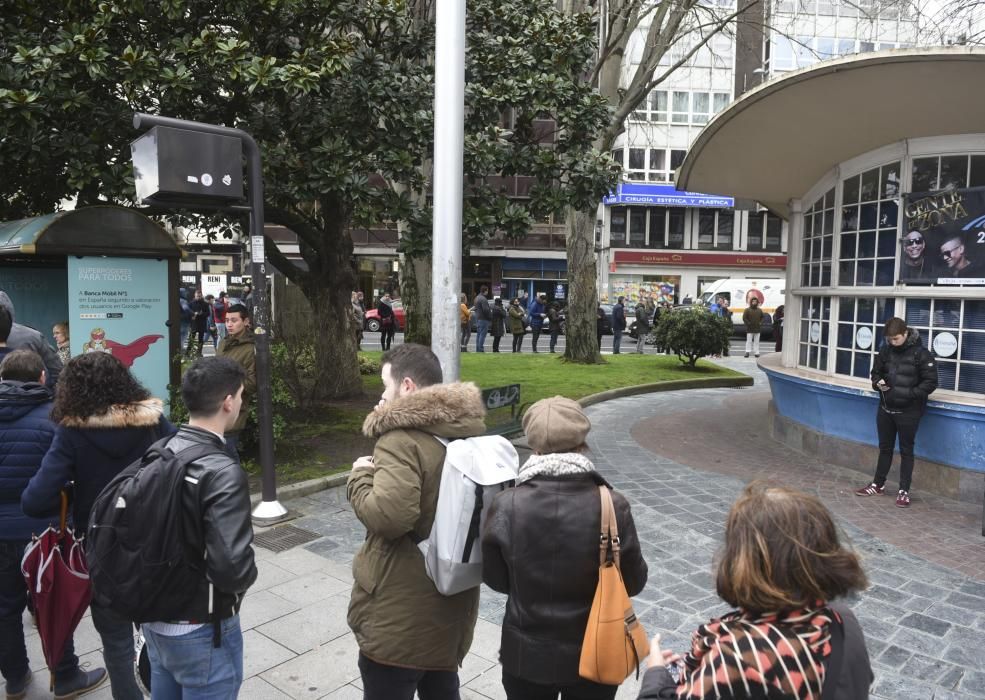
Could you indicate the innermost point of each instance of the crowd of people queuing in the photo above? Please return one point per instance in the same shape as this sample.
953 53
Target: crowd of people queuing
783 566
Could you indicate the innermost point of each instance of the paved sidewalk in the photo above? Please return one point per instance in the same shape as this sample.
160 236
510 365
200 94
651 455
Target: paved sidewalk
681 458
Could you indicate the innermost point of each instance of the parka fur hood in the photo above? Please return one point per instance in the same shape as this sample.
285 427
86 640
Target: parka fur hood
449 410
140 414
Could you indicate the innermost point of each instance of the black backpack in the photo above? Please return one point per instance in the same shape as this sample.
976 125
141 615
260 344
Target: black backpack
136 546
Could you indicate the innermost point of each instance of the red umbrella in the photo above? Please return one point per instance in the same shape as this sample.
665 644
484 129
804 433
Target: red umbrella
54 566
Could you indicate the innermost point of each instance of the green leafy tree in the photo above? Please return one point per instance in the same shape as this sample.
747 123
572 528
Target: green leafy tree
693 333
338 93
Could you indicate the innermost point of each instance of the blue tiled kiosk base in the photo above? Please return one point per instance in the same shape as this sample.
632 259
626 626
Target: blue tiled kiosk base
837 424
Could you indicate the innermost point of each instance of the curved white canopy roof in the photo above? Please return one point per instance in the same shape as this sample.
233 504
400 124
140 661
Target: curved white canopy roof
776 141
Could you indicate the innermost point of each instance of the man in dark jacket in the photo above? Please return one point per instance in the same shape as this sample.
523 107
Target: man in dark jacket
26 434
483 318
618 324
554 319
25 337
905 374
239 345
539 546
537 310
201 313
217 510
752 318
642 326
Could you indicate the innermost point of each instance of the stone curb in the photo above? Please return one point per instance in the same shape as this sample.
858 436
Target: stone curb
323 483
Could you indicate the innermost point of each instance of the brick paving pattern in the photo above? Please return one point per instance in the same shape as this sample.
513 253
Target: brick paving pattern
681 458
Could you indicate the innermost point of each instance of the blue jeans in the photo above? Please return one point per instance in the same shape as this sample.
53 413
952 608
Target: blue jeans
13 601
116 632
188 667
480 334
616 341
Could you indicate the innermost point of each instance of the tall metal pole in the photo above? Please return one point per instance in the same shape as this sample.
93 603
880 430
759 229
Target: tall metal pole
449 144
269 510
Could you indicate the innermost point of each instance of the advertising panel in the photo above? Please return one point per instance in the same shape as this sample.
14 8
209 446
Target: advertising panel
120 306
944 238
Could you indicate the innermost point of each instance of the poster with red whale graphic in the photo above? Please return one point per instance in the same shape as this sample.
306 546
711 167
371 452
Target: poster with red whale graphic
120 306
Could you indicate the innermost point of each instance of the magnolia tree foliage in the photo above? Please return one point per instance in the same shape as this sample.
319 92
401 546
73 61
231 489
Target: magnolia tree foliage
338 93
692 333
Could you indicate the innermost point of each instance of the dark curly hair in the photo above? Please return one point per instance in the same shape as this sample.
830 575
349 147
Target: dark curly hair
91 383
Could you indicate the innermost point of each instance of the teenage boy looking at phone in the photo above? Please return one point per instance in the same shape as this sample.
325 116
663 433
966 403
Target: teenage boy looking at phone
905 374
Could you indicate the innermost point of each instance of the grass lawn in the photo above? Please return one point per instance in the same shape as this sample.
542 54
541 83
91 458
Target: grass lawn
328 442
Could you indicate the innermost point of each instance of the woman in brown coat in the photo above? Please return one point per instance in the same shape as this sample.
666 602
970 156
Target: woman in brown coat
540 546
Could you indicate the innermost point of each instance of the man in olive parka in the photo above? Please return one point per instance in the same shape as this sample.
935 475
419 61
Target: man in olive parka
411 637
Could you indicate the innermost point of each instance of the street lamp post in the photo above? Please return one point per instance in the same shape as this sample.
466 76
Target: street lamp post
269 510
449 140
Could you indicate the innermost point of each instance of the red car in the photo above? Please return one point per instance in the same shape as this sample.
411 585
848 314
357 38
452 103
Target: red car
372 319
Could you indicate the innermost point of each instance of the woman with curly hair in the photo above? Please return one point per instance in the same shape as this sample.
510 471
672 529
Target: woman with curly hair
105 421
781 568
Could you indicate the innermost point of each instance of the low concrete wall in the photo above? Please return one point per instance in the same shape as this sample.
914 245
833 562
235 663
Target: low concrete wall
932 477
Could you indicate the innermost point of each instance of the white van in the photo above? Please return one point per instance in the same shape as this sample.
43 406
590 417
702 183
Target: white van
737 293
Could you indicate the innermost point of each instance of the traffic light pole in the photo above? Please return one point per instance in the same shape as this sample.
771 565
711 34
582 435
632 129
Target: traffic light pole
269 510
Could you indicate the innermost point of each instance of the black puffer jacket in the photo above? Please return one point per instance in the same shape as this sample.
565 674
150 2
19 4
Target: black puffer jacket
540 546
909 370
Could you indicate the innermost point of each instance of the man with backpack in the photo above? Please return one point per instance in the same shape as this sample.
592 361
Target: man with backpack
183 573
411 637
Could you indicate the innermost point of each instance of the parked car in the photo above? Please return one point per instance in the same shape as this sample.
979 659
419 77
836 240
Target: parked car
372 319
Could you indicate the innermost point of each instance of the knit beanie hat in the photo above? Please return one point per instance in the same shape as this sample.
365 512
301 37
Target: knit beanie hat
554 425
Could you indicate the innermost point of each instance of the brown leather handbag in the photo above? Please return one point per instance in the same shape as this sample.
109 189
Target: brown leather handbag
615 641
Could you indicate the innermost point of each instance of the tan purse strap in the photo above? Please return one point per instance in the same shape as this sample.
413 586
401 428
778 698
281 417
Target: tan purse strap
609 535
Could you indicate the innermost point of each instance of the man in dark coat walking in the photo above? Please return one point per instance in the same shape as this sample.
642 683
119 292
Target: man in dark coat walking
905 374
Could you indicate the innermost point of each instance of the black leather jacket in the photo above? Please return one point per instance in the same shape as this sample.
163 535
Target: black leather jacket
217 518
910 370
540 546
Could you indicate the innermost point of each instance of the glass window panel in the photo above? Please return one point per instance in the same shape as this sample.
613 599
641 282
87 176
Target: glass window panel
803 354
637 227
954 172
721 101
865 273
638 175
829 222
617 222
974 315
888 214
868 214
884 272
826 244
675 222
850 194
946 373
843 362
826 275
658 159
866 310
617 155
845 334
808 226
638 116
848 241
658 224
870 185
677 157
924 174
812 356
681 107
803 52
658 100
825 47
972 379
702 103
846 273
829 198
867 244
774 228
972 347
699 118
890 179
726 221
637 158
977 176
947 313
805 275
754 237
849 218
886 247
866 46
847 311
706 229
863 365
846 46
918 312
